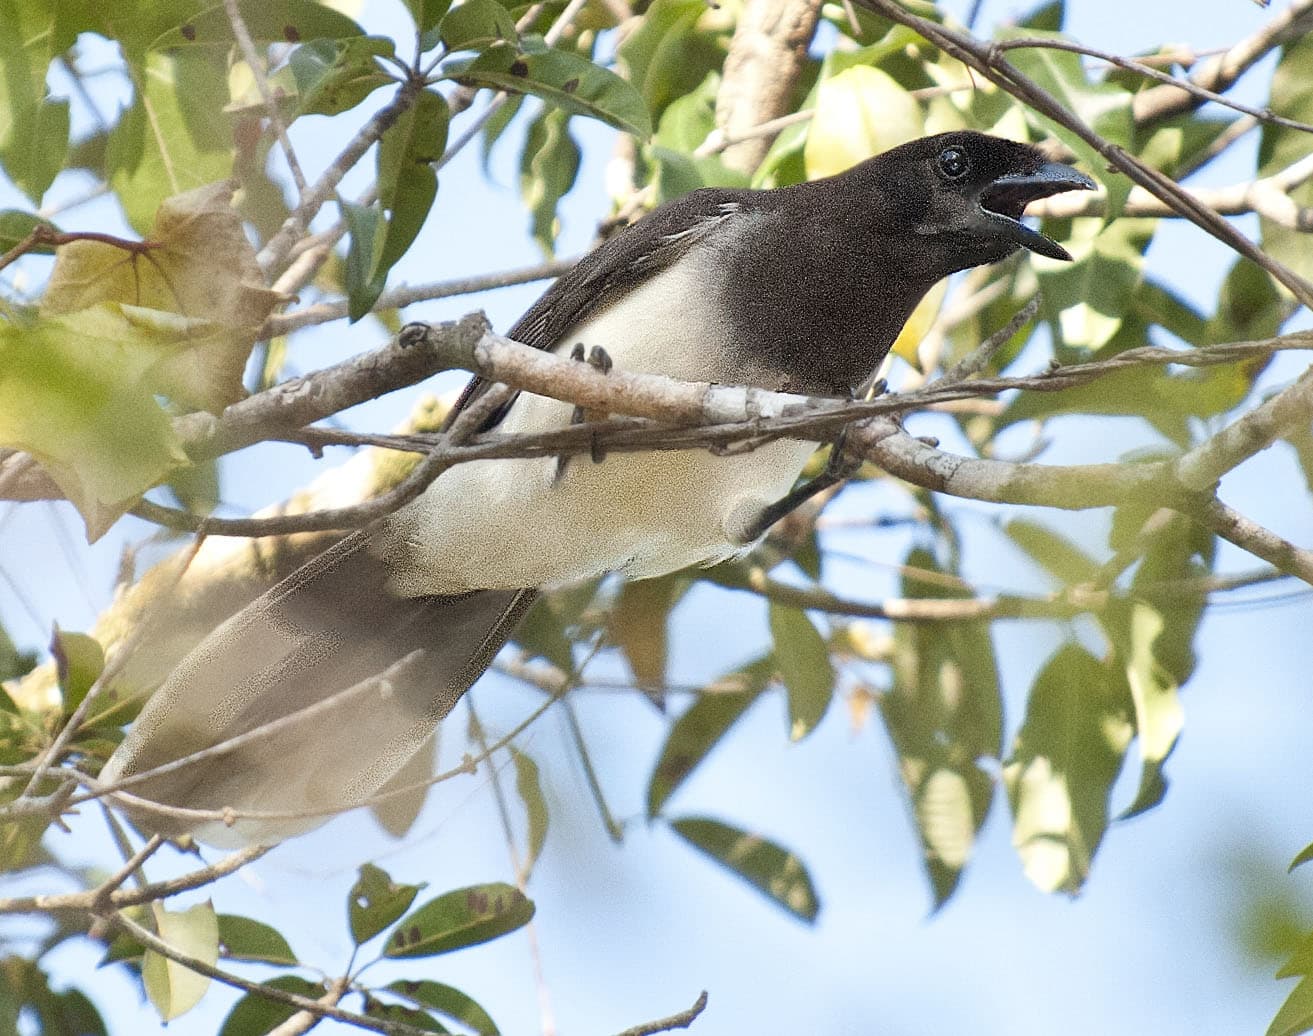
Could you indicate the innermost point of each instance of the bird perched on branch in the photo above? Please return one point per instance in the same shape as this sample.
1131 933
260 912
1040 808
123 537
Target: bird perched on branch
333 679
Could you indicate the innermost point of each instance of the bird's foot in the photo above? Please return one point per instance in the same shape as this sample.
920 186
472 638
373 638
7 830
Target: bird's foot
600 360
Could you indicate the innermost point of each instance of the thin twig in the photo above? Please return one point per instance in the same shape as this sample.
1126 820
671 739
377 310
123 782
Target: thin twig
680 1020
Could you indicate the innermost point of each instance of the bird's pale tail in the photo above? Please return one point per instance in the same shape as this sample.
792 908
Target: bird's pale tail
307 701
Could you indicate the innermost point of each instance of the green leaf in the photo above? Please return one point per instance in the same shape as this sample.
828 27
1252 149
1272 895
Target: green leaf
465 917
529 788
1304 856
1296 1014
405 1015
803 660
243 938
375 901
13 664
174 137
1052 551
684 125
448 1002
333 76
16 226
368 232
1103 106
1088 297
1066 758
668 55
1281 146
548 168
639 625
703 724
253 1014
765 866
79 660
173 988
34 152
427 14
944 716
475 25
542 635
564 80
407 183
288 21
72 394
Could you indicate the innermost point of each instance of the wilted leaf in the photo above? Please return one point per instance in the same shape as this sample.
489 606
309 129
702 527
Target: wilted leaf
254 1015
1063 765
448 1002
803 660
465 917
243 938
701 727
529 788
768 867
173 988
564 80
200 266
375 901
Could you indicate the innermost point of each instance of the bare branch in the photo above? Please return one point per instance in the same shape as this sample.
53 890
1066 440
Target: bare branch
1248 535
681 1020
1219 73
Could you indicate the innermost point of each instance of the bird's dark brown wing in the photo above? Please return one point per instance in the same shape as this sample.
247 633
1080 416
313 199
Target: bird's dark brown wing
605 274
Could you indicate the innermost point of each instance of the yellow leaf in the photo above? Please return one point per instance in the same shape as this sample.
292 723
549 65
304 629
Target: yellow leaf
908 342
198 266
859 113
174 988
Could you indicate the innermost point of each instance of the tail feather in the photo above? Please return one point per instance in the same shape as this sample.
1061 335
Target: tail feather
337 681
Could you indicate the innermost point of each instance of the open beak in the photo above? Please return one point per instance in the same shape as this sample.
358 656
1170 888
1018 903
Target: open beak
1004 200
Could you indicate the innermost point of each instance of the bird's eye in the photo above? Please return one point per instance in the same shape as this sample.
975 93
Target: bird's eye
953 163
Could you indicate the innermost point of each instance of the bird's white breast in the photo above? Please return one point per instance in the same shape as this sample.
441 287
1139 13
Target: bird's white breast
514 523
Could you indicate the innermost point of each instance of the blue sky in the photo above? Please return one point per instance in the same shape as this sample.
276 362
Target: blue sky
634 932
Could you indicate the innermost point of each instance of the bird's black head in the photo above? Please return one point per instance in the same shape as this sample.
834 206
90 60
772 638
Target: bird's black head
962 194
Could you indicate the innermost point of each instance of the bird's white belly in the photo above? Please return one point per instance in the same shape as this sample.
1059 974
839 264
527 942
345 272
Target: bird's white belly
514 523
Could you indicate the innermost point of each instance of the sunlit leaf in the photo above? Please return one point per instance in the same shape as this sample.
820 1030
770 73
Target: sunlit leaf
768 867
1296 1014
1064 762
465 917
448 1002
243 938
175 136
1088 297
671 50
173 988
375 901
860 112
944 716
700 728
201 266
74 395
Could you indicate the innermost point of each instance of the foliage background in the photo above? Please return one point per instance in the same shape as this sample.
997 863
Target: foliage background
1177 932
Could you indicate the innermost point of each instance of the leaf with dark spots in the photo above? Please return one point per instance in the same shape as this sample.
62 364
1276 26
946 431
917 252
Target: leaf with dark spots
188 33
291 34
463 917
520 69
375 901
